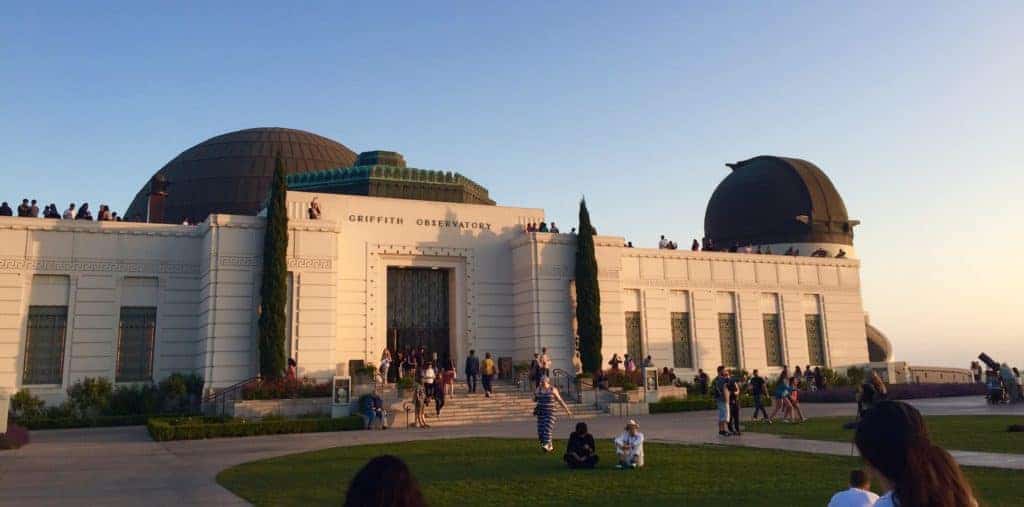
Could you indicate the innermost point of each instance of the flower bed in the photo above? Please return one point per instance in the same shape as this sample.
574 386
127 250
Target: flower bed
694 403
284 388
196 428
848 394
15 437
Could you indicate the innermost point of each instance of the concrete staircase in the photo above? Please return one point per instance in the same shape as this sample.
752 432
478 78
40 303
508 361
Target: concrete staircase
507 403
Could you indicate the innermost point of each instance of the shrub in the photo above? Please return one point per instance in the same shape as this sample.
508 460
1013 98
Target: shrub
855 375
848 394
15 437
672 404
90 396
629 386
135 399
284 388
406 382
65 422
24 404
194 428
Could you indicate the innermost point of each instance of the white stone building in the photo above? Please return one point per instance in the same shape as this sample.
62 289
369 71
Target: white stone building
137 301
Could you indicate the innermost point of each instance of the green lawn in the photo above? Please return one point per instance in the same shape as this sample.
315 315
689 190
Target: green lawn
499 472
960 432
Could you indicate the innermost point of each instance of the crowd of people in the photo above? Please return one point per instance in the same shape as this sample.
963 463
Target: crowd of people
890 436
708 245
30 209
544 227
433 377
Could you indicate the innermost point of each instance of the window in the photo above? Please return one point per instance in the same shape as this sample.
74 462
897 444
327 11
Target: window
136 336
815 329
773 339
729 339
815 339
633 336
682 342
44 345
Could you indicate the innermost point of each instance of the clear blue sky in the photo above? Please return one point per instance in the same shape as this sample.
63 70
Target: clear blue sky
915 112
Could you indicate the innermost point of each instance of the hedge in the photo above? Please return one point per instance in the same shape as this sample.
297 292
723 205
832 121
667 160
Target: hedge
196 428
694 403
49 423
896 392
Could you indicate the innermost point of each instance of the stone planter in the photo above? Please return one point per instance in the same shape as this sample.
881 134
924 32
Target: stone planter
628 409
256 409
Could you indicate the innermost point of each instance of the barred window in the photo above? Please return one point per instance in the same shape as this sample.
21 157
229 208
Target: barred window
773 339
44 345
682 341
634 338
815 339
729 338
135 342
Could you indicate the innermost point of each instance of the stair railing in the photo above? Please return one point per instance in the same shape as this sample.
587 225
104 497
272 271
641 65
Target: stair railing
218 399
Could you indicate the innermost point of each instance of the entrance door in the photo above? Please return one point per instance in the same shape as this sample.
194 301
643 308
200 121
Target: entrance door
634 337
418 312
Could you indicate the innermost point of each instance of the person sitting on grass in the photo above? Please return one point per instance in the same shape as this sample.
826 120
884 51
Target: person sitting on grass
859 494
581 452
629 446
384 481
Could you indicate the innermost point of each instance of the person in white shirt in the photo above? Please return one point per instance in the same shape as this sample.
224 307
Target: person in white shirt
663 244
69 214
629 446
859 494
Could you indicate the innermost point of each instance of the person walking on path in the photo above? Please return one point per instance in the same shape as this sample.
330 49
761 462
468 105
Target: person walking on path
780 396
758 388
489 369
439 393
720 392
472 371
546 395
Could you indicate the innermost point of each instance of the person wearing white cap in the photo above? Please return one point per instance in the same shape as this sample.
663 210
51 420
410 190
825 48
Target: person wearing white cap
629 446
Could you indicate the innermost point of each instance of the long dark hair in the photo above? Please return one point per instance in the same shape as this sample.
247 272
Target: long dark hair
893 439
384 482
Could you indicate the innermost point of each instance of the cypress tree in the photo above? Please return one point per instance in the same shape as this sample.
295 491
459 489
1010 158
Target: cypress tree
588 296
273 289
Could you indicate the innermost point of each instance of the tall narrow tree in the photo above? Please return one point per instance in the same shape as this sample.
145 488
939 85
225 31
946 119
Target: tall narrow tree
588 295
273 289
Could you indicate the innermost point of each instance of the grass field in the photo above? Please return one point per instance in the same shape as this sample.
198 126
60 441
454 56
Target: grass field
500 472
960 432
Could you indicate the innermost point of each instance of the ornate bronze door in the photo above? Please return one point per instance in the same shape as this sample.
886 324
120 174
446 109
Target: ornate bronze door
418 312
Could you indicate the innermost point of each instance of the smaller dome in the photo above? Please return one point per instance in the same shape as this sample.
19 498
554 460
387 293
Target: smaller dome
380 157
770 200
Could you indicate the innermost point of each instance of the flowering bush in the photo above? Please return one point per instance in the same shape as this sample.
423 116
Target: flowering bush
283 388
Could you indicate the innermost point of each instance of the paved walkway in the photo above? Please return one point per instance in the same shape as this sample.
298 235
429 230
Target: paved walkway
122 466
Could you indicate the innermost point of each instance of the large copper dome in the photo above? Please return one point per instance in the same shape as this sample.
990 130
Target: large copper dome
231 173
768 200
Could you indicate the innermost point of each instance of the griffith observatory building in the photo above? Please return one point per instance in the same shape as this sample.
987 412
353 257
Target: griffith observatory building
403 256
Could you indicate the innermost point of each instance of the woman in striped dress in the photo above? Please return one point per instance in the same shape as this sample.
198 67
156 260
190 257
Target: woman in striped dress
546 395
